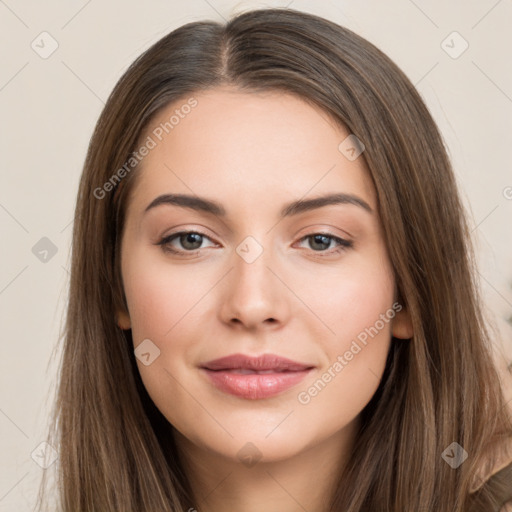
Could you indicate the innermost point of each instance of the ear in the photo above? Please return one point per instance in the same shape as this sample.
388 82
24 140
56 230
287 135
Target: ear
123 320
401 326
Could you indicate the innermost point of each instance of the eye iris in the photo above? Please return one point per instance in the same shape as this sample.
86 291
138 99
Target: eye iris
320 240
192 238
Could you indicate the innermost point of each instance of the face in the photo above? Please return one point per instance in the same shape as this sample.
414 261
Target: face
253 275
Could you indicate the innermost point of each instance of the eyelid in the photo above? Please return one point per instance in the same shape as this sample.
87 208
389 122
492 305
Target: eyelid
324 229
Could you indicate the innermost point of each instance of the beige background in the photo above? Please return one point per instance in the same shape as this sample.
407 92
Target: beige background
48 108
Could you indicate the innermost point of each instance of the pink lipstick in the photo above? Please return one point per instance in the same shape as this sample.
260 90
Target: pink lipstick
255 378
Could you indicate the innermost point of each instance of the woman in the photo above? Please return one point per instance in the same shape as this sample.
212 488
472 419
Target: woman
273 300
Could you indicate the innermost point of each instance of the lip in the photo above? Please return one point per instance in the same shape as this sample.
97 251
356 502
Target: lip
261 363
255 378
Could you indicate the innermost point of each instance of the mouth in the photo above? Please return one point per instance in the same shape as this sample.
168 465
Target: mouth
247 371
262 363
255 378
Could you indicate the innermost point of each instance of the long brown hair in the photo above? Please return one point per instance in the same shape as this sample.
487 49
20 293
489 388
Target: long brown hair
116 451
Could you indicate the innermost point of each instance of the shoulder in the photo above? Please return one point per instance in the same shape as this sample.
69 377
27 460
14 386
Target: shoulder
497 464
496 477
507 507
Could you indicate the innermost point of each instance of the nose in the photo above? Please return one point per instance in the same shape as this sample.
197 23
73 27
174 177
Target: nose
254 297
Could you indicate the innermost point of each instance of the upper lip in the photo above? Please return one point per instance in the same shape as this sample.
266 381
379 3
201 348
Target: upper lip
262 362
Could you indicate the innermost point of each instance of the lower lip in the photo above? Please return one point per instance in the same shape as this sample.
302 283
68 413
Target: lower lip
254 386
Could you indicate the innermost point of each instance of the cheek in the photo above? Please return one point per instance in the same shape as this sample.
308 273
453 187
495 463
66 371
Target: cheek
352 299
339 393
159 297
357 307
163 303
355 359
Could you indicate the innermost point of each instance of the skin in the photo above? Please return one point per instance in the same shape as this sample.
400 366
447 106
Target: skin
254 153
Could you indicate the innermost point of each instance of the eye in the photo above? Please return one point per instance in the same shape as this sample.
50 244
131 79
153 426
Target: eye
188 240
191 241
321 241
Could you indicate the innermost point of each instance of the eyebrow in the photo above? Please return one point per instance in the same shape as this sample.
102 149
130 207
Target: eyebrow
294 208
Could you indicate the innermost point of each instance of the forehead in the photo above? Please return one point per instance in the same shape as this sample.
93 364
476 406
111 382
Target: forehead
258 147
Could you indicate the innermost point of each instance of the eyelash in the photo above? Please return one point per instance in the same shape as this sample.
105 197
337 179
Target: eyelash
343 244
